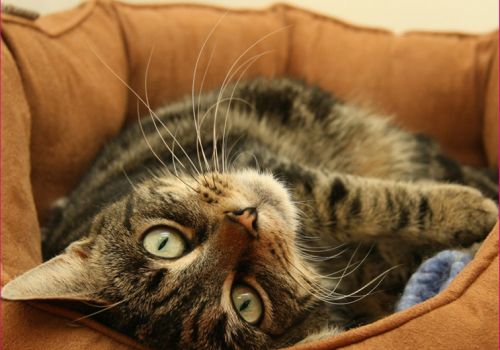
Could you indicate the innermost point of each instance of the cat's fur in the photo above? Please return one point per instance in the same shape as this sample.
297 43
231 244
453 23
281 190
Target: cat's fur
326 179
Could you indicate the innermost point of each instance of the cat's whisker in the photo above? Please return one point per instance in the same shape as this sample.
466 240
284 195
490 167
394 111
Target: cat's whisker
313 284
195 116
355 294
153 116
379 278
231 149
318 275
198 103
304 204
146 139
215 105
196 121
347 266
235 158
229 74
251 155
312 287
257 164
128 179
316 258
173 160
104 309
165 167
331 296
146 95
246 65
151 172
207 112
353 267
303 201
306 247
139 98
306 239
319 249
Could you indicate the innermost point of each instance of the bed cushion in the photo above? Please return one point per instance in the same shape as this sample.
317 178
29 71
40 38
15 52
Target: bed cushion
62 100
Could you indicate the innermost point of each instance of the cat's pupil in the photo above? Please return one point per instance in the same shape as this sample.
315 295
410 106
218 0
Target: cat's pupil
245 305
163 243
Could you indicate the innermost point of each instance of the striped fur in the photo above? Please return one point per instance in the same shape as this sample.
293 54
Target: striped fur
321 174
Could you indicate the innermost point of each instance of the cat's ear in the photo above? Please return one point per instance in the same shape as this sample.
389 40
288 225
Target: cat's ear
66 276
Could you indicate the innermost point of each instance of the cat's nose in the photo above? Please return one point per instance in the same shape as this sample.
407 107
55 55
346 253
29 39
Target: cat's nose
247 218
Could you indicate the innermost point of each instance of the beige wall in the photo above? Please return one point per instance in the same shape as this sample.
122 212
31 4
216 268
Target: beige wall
396 15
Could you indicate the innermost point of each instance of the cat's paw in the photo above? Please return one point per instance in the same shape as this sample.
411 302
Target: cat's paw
466 215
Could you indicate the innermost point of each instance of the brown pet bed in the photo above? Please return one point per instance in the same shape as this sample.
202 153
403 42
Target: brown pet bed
60 104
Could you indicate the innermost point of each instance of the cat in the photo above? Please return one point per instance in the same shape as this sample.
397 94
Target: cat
257 216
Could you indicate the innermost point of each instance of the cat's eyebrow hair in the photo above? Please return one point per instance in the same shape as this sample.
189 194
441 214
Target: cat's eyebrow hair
166 206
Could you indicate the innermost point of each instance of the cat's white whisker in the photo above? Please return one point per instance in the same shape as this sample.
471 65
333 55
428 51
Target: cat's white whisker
146 139
347 266
128 179
226 81
331 296
317 258
246 65
173 160
106 308
196 116
140 99
165 167
235 142
313 287
153 116
379 278
196 120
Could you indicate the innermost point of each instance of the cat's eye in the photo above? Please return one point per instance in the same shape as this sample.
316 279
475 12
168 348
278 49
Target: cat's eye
164 242
247 303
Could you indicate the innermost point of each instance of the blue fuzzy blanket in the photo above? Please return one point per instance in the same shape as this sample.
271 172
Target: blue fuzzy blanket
434 275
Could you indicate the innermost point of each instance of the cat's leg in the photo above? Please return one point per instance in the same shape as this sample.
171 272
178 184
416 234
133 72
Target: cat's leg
367 209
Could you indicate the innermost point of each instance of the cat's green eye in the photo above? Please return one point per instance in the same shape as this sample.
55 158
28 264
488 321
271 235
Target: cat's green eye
247 303
164 242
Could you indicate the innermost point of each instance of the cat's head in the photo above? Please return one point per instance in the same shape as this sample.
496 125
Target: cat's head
202 262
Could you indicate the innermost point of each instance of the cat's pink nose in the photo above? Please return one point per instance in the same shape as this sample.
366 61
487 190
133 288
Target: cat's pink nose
247 218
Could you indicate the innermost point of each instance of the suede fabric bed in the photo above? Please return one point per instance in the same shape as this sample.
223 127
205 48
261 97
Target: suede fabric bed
60 103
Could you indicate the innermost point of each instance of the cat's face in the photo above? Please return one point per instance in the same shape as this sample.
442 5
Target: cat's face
202 262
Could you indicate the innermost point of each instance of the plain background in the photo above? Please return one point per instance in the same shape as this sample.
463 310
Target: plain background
474 16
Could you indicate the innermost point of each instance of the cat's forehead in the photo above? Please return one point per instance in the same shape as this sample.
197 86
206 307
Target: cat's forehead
214 192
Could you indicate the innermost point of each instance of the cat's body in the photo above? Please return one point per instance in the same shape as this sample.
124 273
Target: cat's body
350 185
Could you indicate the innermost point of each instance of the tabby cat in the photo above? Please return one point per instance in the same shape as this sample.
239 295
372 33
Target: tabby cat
277 214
